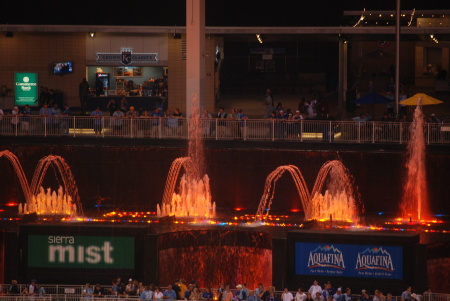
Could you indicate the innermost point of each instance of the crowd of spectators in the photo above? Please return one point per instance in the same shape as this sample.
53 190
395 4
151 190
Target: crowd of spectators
181 290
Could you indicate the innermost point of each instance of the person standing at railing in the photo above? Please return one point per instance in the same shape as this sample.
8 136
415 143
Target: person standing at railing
272 296
147 294
13 288
30 289
252 296
206 123
338 296
427 295
169 293
157 294
287 295
389 297
117 122
40 290
65 119
98 291
131 114
156 115
26 112
261 292
241 295
88 292
365 296
406 295
45 112
97 114
56 118
300 295
268 102
195 295
221 125
15 119
228 295
348 294
243 134
208 295
315 288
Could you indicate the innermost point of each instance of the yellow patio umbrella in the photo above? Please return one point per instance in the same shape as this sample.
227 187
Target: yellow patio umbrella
422 99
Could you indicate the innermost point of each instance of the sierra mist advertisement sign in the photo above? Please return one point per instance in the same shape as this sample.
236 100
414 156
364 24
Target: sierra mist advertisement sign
102 252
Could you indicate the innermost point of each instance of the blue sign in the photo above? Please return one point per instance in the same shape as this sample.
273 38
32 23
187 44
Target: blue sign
345 260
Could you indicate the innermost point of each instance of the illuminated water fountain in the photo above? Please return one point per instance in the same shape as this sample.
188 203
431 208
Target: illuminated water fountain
194 196
337 203
49 203
65 201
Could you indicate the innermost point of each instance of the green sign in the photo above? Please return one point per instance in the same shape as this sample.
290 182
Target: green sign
53 251
26 88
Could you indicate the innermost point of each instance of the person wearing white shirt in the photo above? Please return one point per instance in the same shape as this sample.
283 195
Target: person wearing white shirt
300 295
287 295
315 288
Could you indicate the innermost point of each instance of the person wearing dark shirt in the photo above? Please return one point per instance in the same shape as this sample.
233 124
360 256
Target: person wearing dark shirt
98 291
13 288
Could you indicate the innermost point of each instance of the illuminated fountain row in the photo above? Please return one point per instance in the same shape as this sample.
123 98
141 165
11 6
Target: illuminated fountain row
65 201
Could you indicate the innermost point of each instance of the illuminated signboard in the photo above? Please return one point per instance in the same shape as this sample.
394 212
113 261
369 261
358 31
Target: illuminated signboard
53 251
127 57
345 260
26 88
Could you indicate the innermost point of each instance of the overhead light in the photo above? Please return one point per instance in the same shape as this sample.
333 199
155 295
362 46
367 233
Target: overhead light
434 38
258 37
92 34
177 35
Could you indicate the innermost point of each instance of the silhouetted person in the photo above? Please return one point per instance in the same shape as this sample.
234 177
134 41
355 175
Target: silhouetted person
83 93
98 87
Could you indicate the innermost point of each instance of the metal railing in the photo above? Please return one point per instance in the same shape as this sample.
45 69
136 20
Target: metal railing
55 292
221 129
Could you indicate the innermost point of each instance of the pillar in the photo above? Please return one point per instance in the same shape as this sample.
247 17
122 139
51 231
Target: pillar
195 54
342 84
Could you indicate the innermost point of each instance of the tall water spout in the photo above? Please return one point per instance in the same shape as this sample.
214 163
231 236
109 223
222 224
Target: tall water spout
415 202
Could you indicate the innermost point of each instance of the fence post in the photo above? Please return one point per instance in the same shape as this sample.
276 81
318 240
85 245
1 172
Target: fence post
330 139
159 127
359 132
273 130
131 127
217 129
103 126
401 132
74 126
373 132
301 130
45 126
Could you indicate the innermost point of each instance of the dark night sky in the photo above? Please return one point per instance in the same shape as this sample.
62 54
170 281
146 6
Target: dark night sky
218 12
